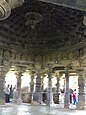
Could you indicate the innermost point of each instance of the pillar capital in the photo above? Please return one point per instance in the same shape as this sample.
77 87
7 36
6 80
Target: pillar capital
3 71
21 69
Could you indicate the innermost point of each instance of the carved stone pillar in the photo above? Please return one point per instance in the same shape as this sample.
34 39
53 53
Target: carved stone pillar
37 94
38 68
17 94
82 90
32 86
19 86
49 90
57 90
38 83
42 85
67 94
3 71
2 78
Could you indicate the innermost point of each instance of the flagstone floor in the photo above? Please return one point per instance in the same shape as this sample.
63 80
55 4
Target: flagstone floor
25 109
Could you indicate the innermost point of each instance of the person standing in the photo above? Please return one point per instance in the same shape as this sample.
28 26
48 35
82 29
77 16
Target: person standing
7 93
11 93
74 98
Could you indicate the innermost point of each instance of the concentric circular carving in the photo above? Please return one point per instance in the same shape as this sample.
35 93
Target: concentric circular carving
5 10
32 18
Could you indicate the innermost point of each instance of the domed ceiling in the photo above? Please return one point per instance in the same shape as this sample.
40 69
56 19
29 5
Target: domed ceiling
37 25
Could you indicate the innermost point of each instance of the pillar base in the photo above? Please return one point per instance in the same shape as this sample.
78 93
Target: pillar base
49 101
17 97
17 101
82 101
37 97
2 102
66 106
56 98
81 107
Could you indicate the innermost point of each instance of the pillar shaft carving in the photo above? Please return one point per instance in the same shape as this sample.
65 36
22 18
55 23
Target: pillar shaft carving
49 90
32 86
57 90
19 81
82 90
38 95
2 81
67 97
18 93
57 85
3 72
38 83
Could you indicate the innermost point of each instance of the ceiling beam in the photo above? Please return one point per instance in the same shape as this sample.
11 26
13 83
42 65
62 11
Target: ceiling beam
75 4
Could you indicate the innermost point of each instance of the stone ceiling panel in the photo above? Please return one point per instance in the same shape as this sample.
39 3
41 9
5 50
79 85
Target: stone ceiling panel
59 26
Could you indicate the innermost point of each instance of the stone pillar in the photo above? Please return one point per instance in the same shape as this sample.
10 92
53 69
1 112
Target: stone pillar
19 86
17 93
3 71
42 85
82 90
67 93
2 79
32 86
37 94
57 91
38 83
49 90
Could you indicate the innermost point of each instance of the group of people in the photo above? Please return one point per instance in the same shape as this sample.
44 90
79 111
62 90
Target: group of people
8 92
73 97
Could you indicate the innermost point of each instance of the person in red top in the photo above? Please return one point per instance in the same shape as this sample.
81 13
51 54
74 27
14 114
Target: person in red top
74 98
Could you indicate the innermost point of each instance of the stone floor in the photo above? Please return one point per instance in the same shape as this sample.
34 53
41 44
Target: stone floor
25 109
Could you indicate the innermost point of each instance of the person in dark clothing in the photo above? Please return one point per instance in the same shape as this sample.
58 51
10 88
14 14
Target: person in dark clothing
7 93
11 93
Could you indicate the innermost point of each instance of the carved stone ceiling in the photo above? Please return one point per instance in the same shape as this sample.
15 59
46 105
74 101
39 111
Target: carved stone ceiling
57 26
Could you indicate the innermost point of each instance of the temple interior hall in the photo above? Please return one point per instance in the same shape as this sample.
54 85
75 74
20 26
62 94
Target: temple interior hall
42 57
